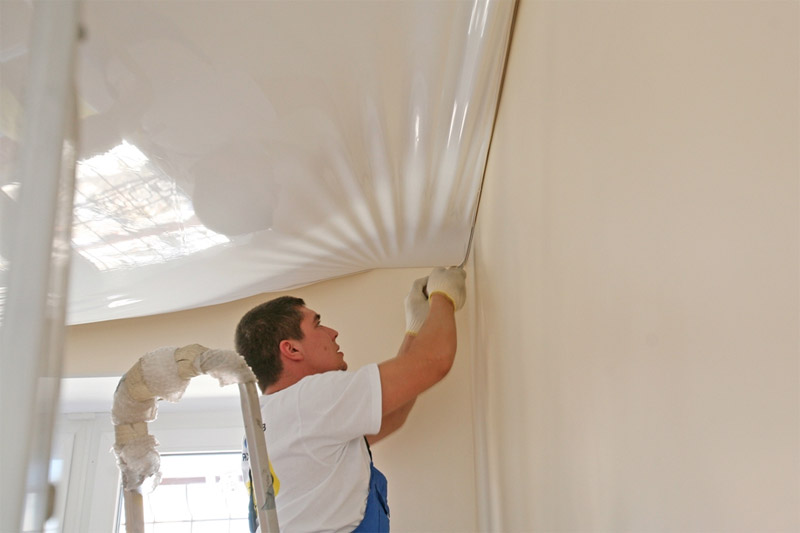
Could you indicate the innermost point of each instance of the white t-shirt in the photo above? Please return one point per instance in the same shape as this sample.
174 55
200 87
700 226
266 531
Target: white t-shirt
315 440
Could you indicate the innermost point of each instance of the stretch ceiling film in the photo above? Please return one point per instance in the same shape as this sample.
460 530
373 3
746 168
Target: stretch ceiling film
233 148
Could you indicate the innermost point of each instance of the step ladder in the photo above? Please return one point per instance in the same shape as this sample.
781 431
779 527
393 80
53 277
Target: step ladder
164 374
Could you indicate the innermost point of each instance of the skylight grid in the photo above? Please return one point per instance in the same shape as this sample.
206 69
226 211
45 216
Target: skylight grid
129 213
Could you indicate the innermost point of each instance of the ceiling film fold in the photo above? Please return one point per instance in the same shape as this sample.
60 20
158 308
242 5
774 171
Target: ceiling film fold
233 148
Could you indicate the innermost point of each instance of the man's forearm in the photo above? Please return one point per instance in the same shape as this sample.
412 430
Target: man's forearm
393 421
425 359
437 339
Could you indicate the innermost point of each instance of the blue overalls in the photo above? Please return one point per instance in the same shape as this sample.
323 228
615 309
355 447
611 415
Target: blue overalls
376 516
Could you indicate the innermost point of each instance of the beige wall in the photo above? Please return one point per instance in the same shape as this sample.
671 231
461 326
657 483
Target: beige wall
634 286
429 462
636 271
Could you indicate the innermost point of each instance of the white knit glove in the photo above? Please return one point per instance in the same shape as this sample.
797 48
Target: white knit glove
416 306
450 282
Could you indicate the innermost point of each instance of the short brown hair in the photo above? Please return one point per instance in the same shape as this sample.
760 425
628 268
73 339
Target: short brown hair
260 332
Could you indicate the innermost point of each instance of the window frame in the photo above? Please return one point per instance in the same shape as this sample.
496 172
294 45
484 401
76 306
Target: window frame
91 489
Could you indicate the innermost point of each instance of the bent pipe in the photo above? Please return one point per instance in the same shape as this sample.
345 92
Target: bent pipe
164 374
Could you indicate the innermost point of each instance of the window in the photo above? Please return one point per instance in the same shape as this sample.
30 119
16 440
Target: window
192 434
198 493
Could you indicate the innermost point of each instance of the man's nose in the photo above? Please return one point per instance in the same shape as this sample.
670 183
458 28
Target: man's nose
333 333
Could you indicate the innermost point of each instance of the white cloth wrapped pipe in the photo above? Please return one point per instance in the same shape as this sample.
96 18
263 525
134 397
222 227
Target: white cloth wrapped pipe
162 374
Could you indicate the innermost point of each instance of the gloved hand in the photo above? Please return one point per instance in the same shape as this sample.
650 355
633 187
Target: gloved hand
450 282
416 306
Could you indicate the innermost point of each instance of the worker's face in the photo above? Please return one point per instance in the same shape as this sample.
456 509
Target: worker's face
320 350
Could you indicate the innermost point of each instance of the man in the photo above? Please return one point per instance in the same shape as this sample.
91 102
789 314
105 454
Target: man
320 419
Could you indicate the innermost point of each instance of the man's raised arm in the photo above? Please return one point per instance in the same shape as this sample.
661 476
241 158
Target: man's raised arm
425 358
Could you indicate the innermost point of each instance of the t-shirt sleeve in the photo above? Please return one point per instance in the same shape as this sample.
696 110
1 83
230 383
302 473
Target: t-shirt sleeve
339 406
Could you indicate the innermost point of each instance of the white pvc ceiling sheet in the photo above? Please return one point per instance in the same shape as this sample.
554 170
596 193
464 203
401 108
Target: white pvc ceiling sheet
233 148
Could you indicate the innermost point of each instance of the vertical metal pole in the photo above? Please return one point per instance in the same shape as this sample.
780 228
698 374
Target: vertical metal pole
33 317
134 511
259 459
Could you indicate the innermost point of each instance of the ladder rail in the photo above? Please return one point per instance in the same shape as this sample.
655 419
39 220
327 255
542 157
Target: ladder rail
263 490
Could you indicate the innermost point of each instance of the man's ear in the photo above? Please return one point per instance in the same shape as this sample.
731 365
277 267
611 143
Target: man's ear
290 350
